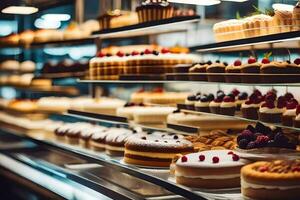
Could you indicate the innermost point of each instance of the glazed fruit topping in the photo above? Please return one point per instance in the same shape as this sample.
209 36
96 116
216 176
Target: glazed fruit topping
235 92
100 54
202 157
257 92
147 51
135 53
251 60
165 50
263 168
288 96
280 166
297 61
265 61
215 159
248 102
270 97
184 159
237 63
269 105
120 54
228 99
235 157
298 110
204 99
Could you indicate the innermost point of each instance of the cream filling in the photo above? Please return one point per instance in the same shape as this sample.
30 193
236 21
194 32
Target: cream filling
245 184
112 148
187 102
250 105
202 104
151 154
227 176
273 110
95 144
228 104
290 112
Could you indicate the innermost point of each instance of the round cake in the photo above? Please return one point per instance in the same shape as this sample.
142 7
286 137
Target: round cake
156 149
214 169
276 180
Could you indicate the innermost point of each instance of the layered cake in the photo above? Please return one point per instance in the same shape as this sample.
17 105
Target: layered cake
273 180
296 17
156 149
214 169
282 20
152 10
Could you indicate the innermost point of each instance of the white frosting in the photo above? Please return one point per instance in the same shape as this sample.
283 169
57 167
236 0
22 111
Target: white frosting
202 104
228 104
244 105
225 160
290 112
214 104
188 102
245 184
273 110
128 111
154 111
225 176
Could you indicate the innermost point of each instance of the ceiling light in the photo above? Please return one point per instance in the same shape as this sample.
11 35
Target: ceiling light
197 2
236 0
56 17
281 6
20 10
46 24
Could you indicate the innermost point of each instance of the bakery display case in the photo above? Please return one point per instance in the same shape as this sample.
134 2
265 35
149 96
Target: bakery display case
135 104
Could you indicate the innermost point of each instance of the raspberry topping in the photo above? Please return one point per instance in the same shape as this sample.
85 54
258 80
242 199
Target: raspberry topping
147 51
235 92
265 61
288 96
230 153
269 105
100 54
135 53
202 157
297 61
263 168
291 105
215 159
184 159
120 54
228 99
257 92
251 60
165 50
235 157
237 63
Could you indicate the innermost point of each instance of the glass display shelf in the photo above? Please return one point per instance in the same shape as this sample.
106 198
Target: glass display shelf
280 40
158 177
148 28
239 117
172 128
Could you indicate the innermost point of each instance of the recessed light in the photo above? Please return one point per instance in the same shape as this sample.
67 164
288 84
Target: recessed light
20 10
282 6
197 2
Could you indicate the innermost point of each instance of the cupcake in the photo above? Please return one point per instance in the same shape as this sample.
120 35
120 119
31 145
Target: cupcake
273 68
252 67
234 72
228 106
269 111
240 99
197 72
282 20
202 105
290 112
214 106
250 107
297 118
190 102
153 10
293 68
296 17
216 72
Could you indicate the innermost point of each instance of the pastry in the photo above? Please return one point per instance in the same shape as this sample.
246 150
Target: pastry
106 106
228 106
251 70
190 102
214 106
25 106
41 83
257 25
202 105
275 180
54 104
10 65
26 37
216 72
72 32
290 113
87 134
73 133
282 20
117 18
270 112
240 99
156 115
156 149
12 40
293 68
151 10
233 71
197 72
296 17
297 119
250 107
25 79
214 169
61 131
27 66
97 141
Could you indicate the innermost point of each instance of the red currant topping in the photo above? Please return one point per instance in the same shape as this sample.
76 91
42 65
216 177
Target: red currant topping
230 153
265 61
202 157
100 54
135 53
147 51
165 50
297 61
120 54
215 159
184 159
237 63
235 157
251 60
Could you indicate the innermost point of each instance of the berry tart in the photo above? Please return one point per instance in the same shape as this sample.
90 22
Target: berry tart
261 136
228 106
202 105
214 106
297 118
250 70
290 112
216 72
269 111
156 149
214 169
251 106
275 180
234 72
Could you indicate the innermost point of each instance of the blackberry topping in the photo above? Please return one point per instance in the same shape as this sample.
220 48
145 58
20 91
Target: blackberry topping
211 97
191 98
204 99
209 62
217 61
